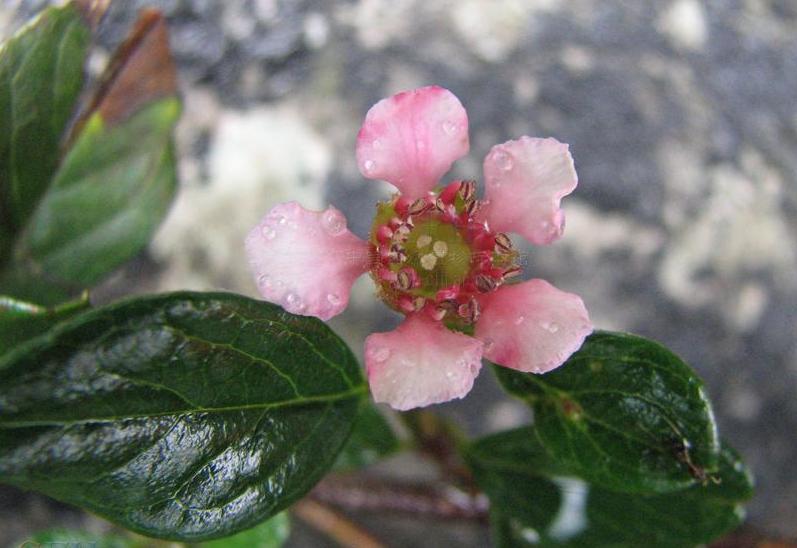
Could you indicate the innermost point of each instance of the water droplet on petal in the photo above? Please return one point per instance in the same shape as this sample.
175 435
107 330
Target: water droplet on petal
333 299
294 303
503 160
264 281
280 219
268 232
449 127
333 222
369 166
380 354
449 374
377 144
550 327
520 319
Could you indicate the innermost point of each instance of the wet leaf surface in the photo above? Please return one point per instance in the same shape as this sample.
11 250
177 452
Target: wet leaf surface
20 321
184 416
41 75
624 413
535 501
97 196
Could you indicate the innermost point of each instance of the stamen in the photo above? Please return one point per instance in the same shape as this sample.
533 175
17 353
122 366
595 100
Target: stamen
417 207
512 272
485 284
418 303
502 243
384 234
467 190
469 311
423 240
397 253
440 248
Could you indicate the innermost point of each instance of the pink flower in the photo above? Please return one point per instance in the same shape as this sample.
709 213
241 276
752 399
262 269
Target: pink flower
441 258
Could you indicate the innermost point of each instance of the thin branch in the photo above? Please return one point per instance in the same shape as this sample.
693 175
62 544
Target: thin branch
431 501
334 525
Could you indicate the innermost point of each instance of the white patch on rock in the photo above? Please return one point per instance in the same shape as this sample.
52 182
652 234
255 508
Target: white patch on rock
377 23
683 22
591 233
737 232
492 29
257 158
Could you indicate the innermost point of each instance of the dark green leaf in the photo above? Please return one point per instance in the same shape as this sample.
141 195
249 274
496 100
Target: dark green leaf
182 416
624 413
271 534
41 75
531 508
100 203
65 538
371 440
114 187
20 321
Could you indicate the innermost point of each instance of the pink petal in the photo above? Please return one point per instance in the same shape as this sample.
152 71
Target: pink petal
412 138
525 182
532 326
306 261
420 363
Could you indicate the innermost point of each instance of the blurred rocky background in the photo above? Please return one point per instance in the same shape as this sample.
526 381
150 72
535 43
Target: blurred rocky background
682 118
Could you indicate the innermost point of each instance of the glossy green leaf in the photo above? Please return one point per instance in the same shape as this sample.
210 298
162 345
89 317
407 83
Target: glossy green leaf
41 75
20 321
66 538
624 413
271 534
113 189
110 181
371 440
533 502
182 416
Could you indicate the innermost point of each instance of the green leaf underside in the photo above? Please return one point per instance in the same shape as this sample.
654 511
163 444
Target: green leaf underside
533 504
270 534
184 416
41 76
20 321
114 187
624 413
372 439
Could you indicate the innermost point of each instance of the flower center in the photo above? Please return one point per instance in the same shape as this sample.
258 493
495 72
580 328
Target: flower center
433 255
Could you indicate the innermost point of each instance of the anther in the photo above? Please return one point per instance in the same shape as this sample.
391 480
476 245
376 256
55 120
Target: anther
467 190
512 272
469 311
438 313
418 303
397 253
471 207
406 279
384 234
485 284
502 243
417 207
